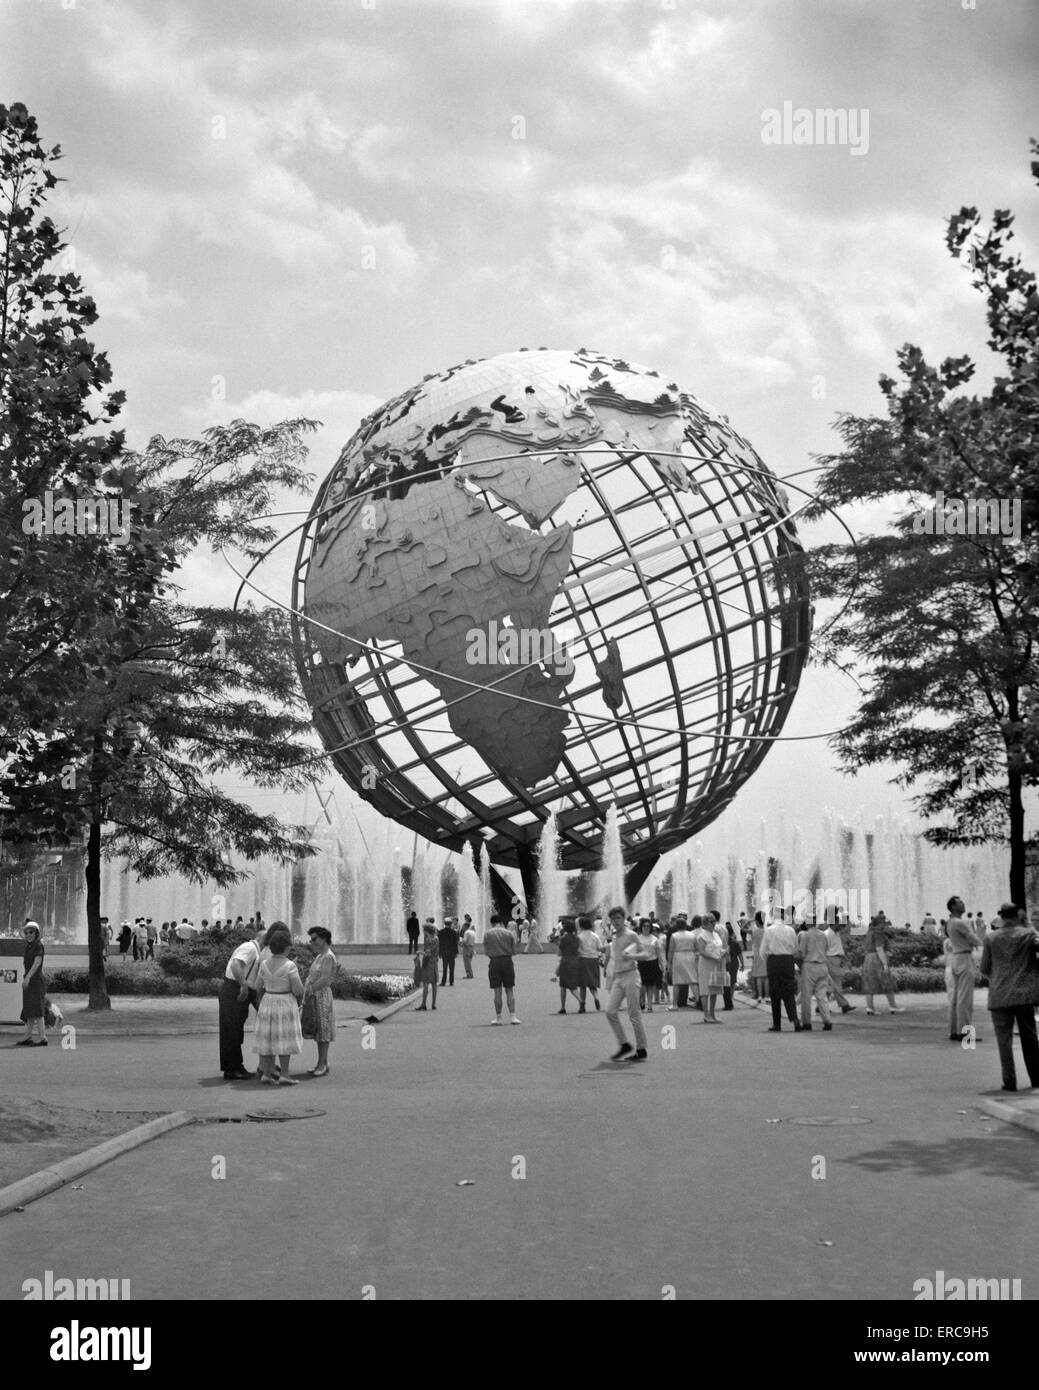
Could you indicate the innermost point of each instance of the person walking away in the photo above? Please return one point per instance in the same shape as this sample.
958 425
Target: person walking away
812 947
125 938
835 967
318 987
238 990
499 946
681 959
961 946
521 927
278 1032
428 960
411 926
589 959
1010 959
568 969
758 971
448 940
625 950
34 989
468 946
735 965
710 966
141 940
778 950
876 972
533 938
152 935
929 927
743 927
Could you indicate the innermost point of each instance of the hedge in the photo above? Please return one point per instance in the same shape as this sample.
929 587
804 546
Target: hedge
147 978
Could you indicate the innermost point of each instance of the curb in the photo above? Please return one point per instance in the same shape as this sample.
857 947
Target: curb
1000 1110
48 1180
394 1008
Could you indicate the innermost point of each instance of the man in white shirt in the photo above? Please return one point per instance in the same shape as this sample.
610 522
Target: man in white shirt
779 951
237 992
533 938
835 965
468 946
625 949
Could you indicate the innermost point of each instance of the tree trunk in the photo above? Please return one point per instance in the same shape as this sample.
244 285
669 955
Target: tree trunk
99 999
1017 838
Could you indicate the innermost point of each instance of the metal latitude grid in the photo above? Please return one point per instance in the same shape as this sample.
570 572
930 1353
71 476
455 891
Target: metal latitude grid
429 807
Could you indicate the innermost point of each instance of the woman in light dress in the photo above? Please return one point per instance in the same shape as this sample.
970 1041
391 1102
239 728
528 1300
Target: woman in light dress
710 965
681 959
319 987
758 969
278 1033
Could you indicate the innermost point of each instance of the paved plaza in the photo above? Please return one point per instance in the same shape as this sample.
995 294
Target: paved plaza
687 1171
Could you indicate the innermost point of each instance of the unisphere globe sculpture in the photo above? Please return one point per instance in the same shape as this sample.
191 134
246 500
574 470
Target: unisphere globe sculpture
549 581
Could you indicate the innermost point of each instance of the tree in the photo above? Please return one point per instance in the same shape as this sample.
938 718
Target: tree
122 704
940 612
54 414
187 694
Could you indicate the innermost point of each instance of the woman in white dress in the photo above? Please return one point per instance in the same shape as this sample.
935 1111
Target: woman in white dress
711 956
681 959
278 1033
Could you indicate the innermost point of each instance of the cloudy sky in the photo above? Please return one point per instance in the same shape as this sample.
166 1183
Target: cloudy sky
302 207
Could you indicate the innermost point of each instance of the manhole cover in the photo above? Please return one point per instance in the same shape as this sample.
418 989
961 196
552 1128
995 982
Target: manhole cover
283 1114
829 1120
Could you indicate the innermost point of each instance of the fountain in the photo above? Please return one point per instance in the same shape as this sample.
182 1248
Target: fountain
552 885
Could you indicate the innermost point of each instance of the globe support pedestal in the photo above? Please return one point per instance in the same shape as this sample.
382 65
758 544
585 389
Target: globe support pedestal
636 877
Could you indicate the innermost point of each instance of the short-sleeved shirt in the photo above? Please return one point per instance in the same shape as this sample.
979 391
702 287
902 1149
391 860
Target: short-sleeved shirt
497 941
248 953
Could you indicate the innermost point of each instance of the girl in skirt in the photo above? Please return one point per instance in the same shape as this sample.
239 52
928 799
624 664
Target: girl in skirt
278 1033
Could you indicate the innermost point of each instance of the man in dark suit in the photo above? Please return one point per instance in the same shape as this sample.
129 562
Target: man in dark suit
411 926
448 939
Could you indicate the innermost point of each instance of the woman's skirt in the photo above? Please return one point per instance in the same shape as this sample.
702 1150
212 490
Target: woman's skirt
277 1026
325 1030
33 997
710 975
588 972
568 973
875 979
649 974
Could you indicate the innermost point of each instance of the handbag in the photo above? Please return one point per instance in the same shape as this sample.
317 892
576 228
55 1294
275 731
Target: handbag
308 1017
52 1015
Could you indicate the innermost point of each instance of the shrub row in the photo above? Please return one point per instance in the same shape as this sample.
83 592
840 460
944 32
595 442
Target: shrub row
149 979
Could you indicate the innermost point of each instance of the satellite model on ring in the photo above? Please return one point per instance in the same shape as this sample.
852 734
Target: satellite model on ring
549 582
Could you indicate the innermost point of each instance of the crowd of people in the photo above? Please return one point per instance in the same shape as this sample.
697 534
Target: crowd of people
141 939
794 967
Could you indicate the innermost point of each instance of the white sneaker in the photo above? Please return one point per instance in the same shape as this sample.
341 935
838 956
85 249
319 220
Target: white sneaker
514 1019
898 1011
496 1023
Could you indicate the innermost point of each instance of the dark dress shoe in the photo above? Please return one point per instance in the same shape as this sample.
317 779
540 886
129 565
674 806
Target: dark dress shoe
41 1043
25 1042
238 1076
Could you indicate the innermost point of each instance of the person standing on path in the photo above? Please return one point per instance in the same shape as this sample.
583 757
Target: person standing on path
411 926
812 947
533 939
278 1032
734 964
1010 959
681 959
778 951
237 991
589 959
448 939
835 966
499 946
426 962
568 971
758 971
319 988
625 950
876 970
710 965
33 989
468 946
961 945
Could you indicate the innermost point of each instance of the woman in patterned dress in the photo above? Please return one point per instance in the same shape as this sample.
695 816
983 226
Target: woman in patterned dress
278 1032
319 988
710 966
33 989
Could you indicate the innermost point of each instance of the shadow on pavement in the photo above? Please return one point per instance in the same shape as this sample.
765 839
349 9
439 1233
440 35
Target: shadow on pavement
1011 1155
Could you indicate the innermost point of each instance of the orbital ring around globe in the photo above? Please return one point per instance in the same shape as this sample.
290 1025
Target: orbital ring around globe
457 544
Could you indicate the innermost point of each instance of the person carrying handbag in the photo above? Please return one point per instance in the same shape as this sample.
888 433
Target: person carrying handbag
317 1018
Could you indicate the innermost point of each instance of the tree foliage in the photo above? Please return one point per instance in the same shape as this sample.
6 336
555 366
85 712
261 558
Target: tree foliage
942 624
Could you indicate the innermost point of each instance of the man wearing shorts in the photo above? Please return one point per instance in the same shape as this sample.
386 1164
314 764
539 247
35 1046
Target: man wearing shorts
625 950
499 946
